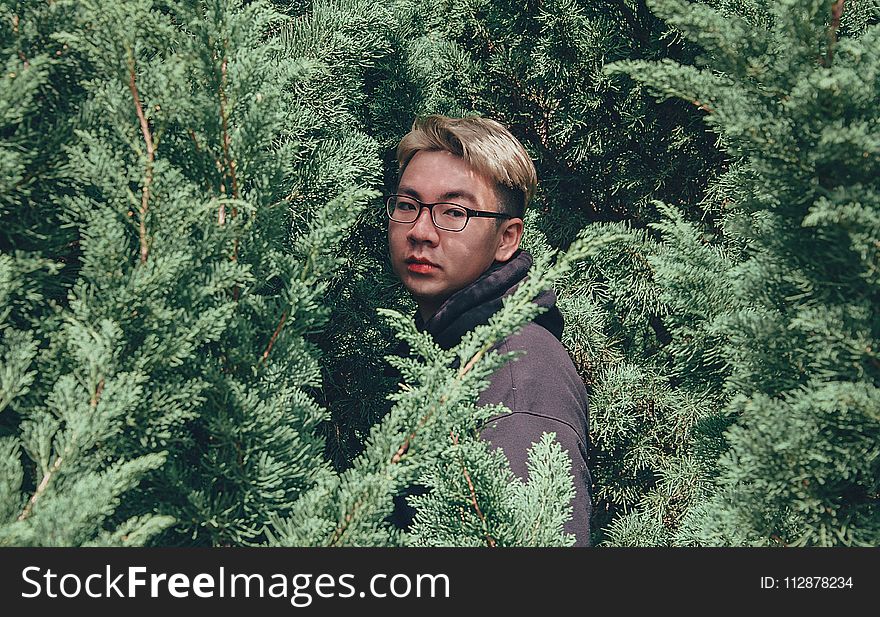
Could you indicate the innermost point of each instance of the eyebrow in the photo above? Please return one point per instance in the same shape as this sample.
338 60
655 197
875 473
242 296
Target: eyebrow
457 194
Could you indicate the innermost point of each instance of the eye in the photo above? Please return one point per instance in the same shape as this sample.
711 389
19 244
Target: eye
454 213
405 205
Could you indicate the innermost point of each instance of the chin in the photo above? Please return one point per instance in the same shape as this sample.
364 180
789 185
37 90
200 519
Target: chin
421 291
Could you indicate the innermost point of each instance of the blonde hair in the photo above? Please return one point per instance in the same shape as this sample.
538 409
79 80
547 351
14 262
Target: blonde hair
486 145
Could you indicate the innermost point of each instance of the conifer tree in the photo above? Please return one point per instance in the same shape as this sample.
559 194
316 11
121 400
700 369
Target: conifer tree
165 395
63 391
183 329
603 149
789 325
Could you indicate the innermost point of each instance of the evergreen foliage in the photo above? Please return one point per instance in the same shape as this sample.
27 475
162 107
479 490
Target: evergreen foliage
603 150
520 514
192 255
185 324
347 41
792 312
166 394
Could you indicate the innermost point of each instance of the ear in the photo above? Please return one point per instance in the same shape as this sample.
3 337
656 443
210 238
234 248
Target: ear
509 235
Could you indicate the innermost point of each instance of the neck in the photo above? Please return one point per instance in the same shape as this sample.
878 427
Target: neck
427 309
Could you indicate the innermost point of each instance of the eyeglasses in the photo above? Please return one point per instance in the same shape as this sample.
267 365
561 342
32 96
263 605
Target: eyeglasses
446 216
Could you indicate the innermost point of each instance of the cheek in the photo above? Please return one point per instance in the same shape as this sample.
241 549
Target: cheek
394 241
477 251
397 251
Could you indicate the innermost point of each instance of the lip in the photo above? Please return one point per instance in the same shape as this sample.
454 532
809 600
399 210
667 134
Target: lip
420 265
420 260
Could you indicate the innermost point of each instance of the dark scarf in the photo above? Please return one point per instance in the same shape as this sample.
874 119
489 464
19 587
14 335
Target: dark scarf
476 303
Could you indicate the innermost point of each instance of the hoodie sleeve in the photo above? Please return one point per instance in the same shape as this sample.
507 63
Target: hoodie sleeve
516 432
544 394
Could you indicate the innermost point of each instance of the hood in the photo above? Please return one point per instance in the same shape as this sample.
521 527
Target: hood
476 303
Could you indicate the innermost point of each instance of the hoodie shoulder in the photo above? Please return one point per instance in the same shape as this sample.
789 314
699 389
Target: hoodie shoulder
543 381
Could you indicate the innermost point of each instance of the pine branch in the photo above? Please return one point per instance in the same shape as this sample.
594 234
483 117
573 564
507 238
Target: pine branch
467 367
404 448
151 156
467 476
96 397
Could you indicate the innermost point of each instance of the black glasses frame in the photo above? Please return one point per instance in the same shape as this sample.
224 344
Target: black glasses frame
470 212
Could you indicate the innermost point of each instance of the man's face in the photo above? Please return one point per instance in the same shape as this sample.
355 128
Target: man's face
433 263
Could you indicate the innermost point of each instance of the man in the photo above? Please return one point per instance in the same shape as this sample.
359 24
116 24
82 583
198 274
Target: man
454 230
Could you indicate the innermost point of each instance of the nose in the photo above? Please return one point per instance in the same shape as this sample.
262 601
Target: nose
423 229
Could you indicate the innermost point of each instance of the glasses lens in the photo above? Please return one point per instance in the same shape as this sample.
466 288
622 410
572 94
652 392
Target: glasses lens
401 209
450 216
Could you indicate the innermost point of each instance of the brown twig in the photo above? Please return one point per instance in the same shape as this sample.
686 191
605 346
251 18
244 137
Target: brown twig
227 140
472 361
151 157
42 487
461 373
404 447
57 464
836 13
229 163
489 539
192 135
703 106
97 395
776 538
337 535
274 336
